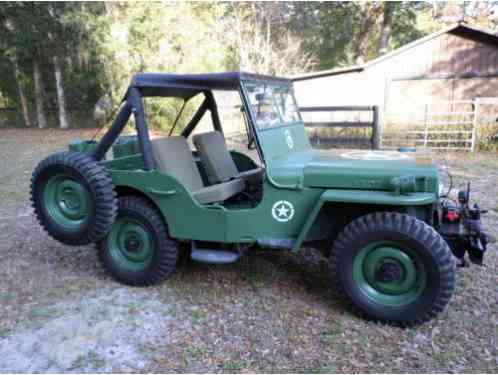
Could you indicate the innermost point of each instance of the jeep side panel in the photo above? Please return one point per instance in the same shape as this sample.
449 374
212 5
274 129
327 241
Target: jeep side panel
189 220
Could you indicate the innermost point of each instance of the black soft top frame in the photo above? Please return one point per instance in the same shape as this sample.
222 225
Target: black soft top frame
183 86
188 85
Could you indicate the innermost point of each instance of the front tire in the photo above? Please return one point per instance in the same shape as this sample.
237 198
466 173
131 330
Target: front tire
392 268
138 250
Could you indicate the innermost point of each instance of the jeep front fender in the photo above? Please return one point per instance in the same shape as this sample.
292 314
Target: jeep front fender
368 197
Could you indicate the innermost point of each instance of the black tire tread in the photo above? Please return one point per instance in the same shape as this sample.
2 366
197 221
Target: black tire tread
166 258
406 224
103 189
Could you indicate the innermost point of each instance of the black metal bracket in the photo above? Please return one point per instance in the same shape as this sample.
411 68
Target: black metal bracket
141 125
114 131
213 108
196 118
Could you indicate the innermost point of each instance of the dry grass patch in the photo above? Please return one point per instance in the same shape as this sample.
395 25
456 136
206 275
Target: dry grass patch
269 312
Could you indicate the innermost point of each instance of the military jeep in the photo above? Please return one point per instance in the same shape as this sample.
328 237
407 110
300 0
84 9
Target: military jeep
390 235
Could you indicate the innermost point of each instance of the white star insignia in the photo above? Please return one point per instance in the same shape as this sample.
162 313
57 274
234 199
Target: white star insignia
283 211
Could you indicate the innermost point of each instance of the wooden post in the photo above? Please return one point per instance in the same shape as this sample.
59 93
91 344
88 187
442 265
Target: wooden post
475 124
375 128
426 127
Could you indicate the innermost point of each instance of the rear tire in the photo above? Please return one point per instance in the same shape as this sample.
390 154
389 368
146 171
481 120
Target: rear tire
138 250
392 268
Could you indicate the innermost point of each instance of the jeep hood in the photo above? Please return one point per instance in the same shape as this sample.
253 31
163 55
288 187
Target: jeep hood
360 169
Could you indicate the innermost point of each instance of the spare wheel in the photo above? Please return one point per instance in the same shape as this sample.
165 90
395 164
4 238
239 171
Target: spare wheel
73 197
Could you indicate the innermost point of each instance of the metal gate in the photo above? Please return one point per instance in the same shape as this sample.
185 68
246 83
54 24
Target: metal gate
444 125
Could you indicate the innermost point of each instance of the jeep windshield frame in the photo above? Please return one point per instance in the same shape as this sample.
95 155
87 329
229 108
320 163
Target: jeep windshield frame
272 104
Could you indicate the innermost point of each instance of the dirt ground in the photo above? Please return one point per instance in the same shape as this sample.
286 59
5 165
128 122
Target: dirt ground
59 311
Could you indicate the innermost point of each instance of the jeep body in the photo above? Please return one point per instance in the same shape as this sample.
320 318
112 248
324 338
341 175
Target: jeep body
391 231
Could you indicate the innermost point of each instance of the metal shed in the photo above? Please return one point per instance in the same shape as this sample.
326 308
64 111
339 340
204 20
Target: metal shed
435 79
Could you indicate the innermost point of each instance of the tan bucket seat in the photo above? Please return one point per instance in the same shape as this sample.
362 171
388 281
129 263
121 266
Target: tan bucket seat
173 155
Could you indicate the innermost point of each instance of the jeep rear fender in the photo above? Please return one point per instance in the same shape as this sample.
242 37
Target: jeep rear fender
368 197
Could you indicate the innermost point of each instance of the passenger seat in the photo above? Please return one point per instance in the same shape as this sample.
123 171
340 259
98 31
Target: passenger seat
217 160
173 155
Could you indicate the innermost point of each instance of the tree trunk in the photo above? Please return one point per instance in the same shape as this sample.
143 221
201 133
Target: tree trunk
24 105
61 98
40 110
367 20
385 29
22 96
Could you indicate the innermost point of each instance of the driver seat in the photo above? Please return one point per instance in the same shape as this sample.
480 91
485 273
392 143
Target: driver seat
216 159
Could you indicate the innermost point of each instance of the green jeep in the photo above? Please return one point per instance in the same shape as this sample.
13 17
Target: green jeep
378 216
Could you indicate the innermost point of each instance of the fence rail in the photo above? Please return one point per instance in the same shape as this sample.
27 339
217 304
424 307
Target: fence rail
373 141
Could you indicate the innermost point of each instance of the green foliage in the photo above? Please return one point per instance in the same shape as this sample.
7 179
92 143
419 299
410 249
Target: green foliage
102 44
37 32
327 29
405 28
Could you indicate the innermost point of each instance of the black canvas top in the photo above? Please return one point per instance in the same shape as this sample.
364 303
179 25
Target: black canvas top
188 85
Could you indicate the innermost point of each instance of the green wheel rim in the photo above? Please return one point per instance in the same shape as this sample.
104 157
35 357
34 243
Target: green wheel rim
66 201
130 245
389 273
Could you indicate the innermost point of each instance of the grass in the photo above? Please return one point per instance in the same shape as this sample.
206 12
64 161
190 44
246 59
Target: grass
4 332
92 360
320 370
332 334
147 350
267 313
7 296
197 316
79 362
234 365
195 352
41 312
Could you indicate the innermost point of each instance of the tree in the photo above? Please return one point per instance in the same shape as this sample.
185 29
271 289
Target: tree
58 28
9 52
480 13
23 38
56 34
368 16
260 41
39 95
386 26
68 56
22 96
326 29
61 96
